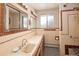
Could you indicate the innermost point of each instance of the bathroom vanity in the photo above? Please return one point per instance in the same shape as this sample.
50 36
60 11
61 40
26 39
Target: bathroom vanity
34 47
11 44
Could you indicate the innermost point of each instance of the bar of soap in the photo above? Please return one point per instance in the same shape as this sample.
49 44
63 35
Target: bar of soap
15 49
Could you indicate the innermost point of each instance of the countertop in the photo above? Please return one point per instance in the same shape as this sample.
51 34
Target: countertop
34 40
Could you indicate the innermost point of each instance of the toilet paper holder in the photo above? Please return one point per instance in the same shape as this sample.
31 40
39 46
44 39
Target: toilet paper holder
56 37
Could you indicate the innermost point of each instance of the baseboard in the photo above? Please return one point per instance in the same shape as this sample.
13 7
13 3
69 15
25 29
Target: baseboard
51 45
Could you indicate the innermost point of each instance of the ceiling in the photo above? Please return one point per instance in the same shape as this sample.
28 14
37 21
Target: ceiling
43 6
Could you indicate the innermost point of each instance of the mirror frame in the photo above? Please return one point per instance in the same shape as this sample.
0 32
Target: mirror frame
15 31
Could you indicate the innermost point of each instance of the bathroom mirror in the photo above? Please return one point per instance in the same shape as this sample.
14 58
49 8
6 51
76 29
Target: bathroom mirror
15 20
12 19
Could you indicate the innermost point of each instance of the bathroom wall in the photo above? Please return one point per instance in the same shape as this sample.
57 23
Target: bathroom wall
54 12
68 6
49 35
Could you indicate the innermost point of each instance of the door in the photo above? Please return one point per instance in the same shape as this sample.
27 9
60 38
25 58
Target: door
70 30
73 18
70 23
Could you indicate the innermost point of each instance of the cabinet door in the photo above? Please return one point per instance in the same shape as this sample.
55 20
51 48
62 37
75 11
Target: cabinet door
73 18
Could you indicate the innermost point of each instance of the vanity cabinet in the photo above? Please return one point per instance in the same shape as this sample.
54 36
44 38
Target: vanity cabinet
40 49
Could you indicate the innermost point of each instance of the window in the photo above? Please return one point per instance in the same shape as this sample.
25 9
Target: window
47 21
50 21
43 21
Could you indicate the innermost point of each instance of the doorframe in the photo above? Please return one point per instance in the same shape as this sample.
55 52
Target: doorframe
61 29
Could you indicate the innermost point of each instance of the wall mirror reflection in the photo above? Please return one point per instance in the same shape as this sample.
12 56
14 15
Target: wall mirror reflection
33 22
23 21
15 20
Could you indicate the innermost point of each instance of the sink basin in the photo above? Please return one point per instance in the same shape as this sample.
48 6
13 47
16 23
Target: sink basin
28 48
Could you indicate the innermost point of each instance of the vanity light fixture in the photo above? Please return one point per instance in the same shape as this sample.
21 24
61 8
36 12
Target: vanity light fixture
23 5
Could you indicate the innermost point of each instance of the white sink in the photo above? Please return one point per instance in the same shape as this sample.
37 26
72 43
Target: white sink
28 48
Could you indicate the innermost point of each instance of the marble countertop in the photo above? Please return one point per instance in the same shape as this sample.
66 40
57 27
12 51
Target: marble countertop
34 40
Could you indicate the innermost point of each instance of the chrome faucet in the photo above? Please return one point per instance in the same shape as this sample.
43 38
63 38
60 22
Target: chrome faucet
23 42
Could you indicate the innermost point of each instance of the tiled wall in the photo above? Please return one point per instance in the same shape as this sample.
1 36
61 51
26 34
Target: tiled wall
49 37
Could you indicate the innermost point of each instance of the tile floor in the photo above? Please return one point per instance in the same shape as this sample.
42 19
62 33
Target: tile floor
51 51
